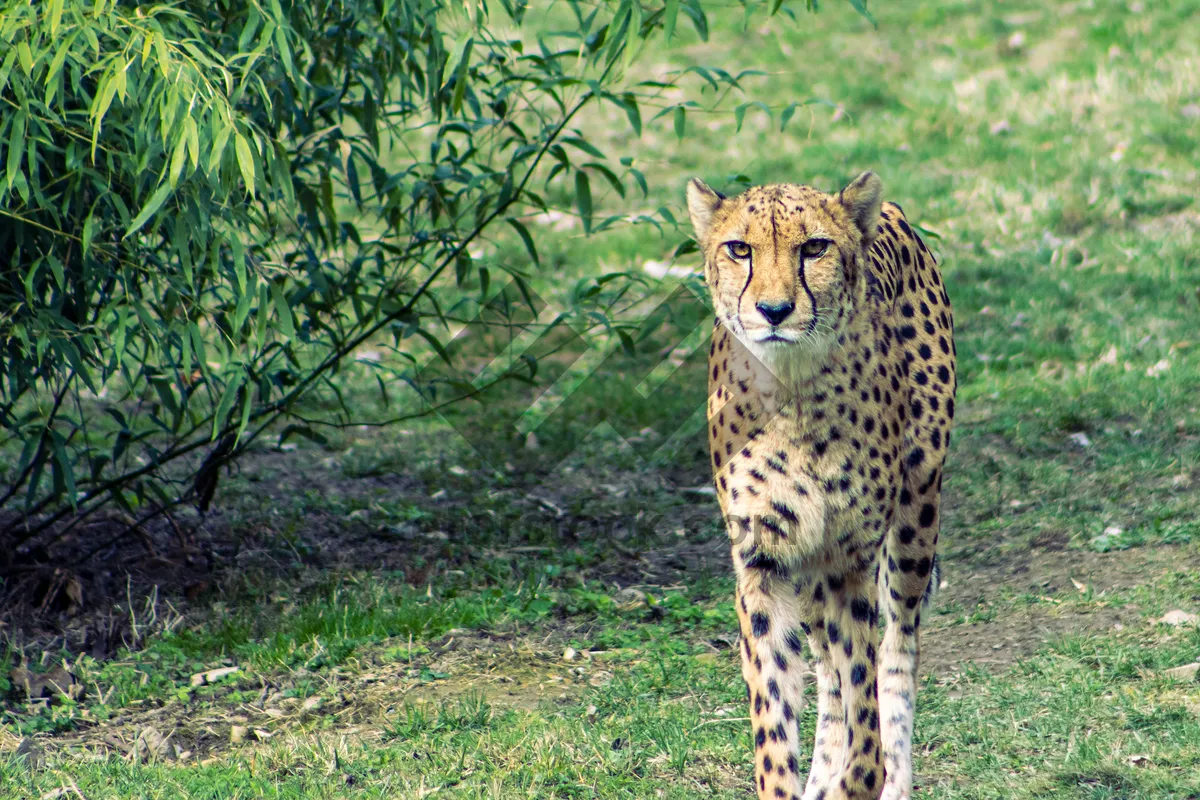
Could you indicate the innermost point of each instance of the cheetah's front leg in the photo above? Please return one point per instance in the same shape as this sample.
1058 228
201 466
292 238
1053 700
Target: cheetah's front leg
850 625
773 666
829 748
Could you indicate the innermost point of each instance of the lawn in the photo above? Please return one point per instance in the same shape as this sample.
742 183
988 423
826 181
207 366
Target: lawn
396 614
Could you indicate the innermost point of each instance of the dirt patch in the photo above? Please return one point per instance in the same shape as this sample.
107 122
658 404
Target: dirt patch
1051 574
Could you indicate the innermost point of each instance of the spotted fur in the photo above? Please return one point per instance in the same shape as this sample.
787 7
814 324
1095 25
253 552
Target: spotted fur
831 386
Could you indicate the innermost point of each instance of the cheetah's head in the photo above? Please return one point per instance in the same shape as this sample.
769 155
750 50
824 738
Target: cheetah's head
784 262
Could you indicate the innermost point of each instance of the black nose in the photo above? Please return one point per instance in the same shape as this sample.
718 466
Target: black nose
775 312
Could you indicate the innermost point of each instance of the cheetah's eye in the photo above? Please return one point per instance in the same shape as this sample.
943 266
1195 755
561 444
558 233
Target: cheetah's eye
738 249
814 248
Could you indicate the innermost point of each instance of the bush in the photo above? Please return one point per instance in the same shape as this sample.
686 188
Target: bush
206 207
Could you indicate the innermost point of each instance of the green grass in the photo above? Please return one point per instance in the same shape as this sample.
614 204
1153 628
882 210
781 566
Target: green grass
1051 149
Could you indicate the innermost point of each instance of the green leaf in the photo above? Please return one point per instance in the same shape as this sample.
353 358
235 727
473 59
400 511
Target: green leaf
302 431
16 146
283 311
583 145
523 232
670 14
245 157
583 199
192 136
152 205
285 50
434 343
680 118
786 116
56 10
26 57
214 160
460 79
631 111
861 7
228 397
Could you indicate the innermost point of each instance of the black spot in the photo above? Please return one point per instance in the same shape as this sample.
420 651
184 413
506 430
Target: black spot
860 609
756 559
907 332
858 675
907 534
943 373
834 632
916 457
783 511
793 641
928 513
760 624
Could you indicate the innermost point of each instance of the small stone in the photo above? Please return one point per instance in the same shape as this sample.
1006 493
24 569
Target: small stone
629 597
570 654
1016 41
238 734
1176 618
1000 127
1080 439
1185 673
212 675
33 753
591 711
152 745
1158 369
601 678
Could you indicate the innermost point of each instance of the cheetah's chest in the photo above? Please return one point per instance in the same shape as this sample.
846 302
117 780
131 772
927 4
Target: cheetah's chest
808 473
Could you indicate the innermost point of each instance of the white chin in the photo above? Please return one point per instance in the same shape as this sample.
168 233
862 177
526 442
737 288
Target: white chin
788 361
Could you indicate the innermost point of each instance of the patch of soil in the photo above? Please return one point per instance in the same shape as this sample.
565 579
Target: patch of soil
1009 638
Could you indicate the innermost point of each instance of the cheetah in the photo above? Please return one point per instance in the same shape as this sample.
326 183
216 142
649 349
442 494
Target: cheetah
831 397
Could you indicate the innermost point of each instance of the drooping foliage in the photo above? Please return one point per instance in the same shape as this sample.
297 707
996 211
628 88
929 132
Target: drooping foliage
205 208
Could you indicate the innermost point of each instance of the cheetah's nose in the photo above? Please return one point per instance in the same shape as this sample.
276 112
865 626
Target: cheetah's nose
776 313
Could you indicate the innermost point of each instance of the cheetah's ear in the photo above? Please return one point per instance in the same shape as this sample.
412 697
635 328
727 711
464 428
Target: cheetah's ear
702 202
862 199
